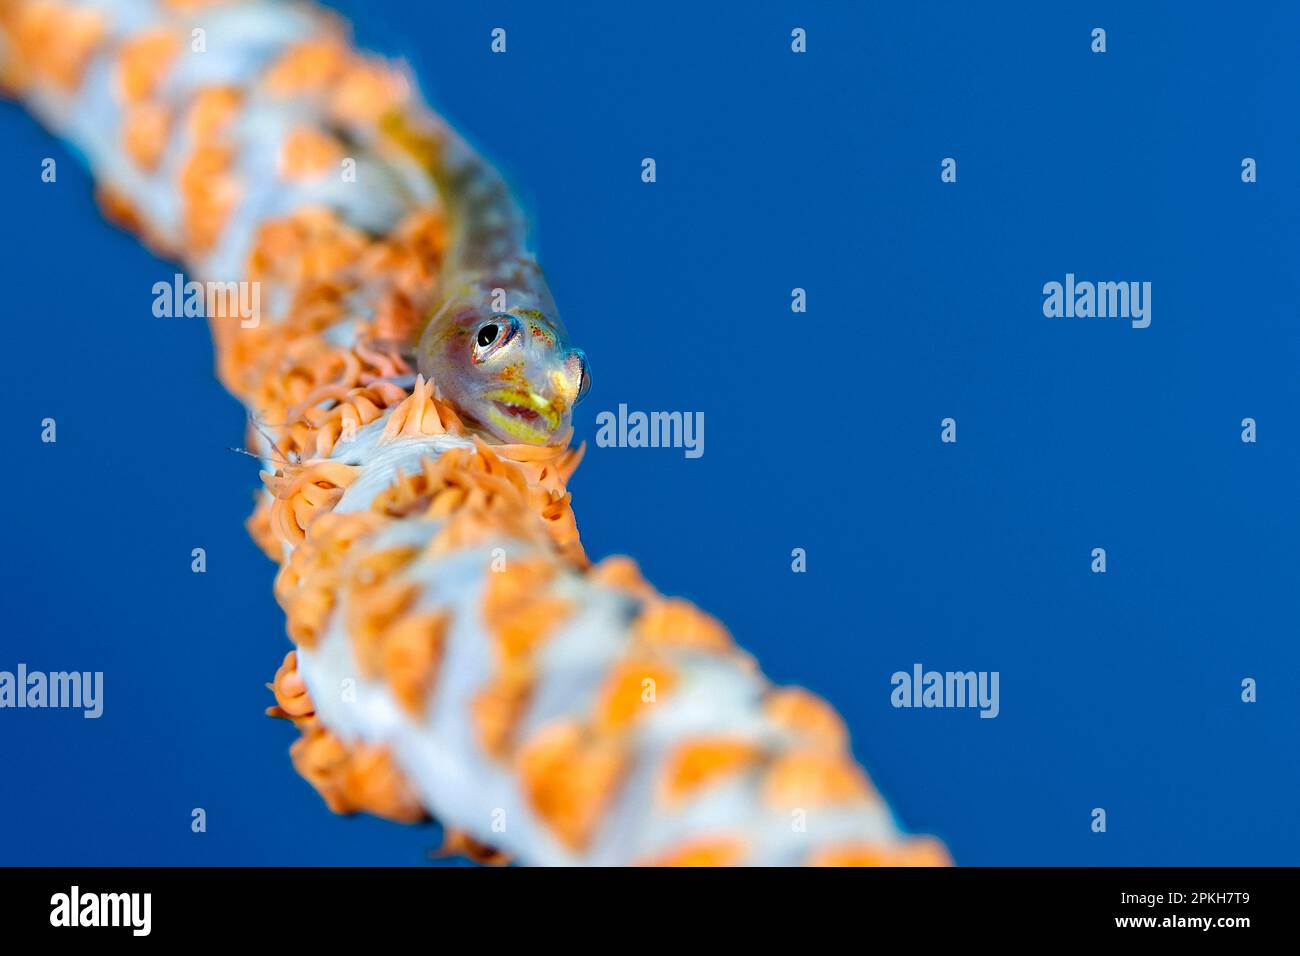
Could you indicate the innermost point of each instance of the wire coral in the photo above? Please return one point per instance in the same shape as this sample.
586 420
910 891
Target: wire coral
457 655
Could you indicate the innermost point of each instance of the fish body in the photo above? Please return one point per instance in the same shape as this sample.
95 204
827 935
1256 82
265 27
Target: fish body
493 341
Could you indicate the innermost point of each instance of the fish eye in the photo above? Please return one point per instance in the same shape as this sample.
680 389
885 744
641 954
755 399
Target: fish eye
493 335
578 367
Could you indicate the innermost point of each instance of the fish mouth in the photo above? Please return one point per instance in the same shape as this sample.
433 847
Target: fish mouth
526 416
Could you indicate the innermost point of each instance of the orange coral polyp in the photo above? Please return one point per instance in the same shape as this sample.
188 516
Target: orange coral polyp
53 40
211 111
309 153
303 492
309 581
291 694
354 778
144 134
919 852
815 722
318 430
412 652
307 67
621 574
518 612
144 60
815 779
631 687
208 195
498 707
696 764
371 611
569 777
676 623
704 851
366 92
419 416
